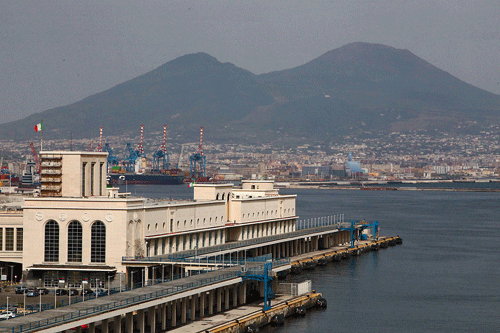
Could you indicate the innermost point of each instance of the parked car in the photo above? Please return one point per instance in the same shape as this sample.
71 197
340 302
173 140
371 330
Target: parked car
33 293
43 291
73 292
21 289
7 315
87 292
101 292
61 292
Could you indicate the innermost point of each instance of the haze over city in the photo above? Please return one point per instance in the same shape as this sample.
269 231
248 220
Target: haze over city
56 53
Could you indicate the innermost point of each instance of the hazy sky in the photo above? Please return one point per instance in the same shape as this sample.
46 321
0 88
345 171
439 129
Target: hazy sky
54 53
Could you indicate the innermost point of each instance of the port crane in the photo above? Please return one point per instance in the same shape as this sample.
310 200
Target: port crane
99 146
131 155
35 158
359 226
112 158
198 159
161 154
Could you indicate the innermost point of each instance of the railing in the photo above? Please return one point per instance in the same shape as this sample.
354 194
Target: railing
68 317
304 227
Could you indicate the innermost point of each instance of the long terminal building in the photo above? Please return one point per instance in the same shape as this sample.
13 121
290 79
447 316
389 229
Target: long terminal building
79 231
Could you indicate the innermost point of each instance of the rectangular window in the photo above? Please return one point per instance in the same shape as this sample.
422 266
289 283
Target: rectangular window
19 239
84 166
163 245
171 225
9 239
1 239
92 173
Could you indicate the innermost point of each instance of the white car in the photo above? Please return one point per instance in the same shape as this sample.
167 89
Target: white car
7 315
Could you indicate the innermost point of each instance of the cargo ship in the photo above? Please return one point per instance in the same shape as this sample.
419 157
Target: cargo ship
145 178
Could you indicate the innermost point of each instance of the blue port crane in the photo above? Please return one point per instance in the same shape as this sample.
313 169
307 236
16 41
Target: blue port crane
160 156
198 161
361 225
112 158
266 278
129 158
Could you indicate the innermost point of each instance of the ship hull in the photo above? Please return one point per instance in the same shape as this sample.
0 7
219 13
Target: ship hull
147 179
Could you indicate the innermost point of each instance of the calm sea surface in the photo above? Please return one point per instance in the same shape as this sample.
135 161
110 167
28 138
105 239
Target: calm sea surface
444 278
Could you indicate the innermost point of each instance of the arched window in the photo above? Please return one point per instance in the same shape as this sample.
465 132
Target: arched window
98 242
75 242
51 241
217 196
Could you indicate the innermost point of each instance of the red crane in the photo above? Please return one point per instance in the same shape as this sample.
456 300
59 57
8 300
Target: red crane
99 146
89 148
200 147
163 148
140 149
35 157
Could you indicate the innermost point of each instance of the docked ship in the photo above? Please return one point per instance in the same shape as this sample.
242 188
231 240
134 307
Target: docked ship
145 178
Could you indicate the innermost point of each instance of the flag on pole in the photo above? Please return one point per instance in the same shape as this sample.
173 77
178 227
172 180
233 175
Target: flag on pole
191 184
38 127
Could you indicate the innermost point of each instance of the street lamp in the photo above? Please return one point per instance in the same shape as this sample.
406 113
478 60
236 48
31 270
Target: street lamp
109 279
8 307
11 274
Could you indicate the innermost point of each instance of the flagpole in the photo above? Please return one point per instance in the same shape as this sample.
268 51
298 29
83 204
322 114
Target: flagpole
41 136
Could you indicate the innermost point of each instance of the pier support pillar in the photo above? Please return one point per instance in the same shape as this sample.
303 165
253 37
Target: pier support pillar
219 300
203 297
117 324
140 320
91 328
243 293
194 299
226 298
78 329
129 322
163 316
152 319
104 326
174 313
211 303
184 310
235 296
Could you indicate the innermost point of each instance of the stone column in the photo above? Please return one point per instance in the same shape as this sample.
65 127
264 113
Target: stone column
235 296
163 316
183 310
203 297
91 328
104 326
140 321
243 293
152 319
117 324
211 302
129 322
226 298
219 300
174 313
194 299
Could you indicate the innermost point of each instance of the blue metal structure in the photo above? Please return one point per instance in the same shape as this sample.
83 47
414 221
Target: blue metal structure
198 159
112 158
129 158
361 226
161 154
268 293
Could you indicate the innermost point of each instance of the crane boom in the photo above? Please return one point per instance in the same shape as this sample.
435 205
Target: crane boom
35 157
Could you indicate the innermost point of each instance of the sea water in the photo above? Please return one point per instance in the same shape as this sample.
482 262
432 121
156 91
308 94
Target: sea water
444 278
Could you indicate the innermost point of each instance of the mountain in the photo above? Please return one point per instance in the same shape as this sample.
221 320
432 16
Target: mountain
363 86
185 93
356 88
